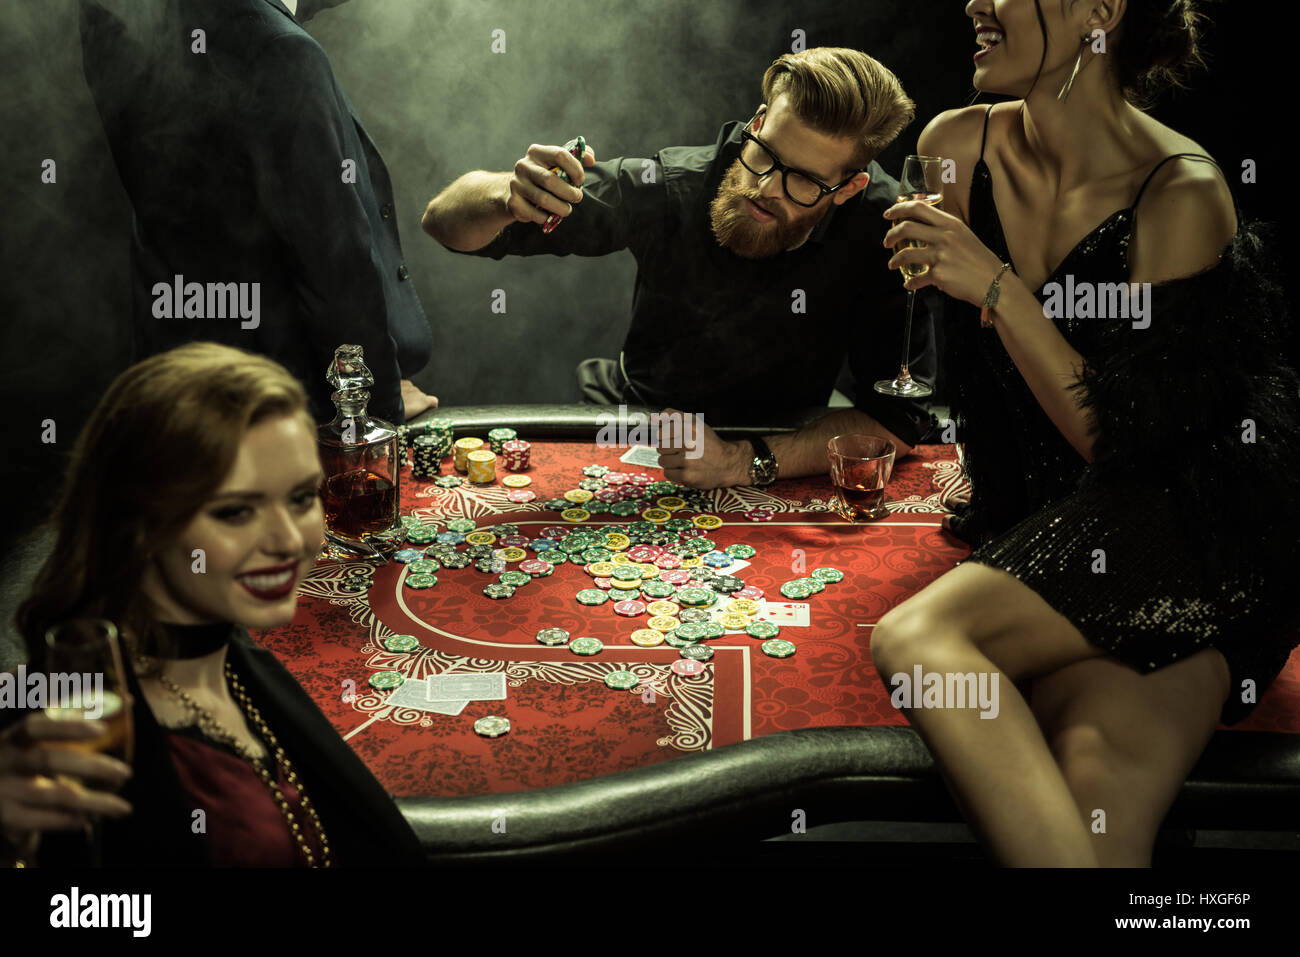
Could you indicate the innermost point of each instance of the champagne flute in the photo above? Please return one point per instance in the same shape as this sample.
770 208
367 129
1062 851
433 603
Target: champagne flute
87 681
922 181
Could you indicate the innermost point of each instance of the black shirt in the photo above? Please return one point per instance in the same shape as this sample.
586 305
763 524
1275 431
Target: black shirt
716 333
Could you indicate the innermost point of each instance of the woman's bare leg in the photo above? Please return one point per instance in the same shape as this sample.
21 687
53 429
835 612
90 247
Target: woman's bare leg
982 620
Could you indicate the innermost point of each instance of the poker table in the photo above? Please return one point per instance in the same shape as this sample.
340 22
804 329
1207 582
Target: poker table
750 747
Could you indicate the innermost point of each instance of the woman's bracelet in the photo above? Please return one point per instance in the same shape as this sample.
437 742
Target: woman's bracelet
991 299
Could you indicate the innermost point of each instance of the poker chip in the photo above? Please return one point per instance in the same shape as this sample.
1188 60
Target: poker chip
386 680
505 529
512 541
515 578
777 648
490 566
630 608
741 551
647 637
668 608
717 559
401 643
696 596
622 680
725 584
455 560
692 615
575 515
691 632
664 623
676 640
827 574
696 652
556 504
515 454
674 577
477 552
656 515
461 449
537 568
516 481
492 726
597 554
706 521
671 502
595 471
796 590
762 629
520 495
421 535
553 636
744 606
734 621
497 439
592 596
461 525
356 585
586 646
813 585
760 515
423 566
512 554
420 581
687 667
617 542
497 590
480 538
714 629
578 496
405 555
451 538
752 592
447 481
625 584
592 485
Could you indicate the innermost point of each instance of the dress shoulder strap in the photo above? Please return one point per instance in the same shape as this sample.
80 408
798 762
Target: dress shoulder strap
1152 174
985 137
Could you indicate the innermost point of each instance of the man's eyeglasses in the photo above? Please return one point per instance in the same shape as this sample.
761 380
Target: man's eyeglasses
800 188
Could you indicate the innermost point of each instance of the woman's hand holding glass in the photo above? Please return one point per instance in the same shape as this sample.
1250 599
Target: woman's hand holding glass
960 265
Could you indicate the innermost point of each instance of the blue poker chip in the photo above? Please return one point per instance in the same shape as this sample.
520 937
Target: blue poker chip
543 544
405 555
450 538
717 559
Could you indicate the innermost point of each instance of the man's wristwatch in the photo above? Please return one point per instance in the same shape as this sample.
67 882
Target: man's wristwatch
762 470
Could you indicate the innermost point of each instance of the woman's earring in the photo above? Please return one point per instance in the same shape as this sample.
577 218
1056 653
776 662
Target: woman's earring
1069 84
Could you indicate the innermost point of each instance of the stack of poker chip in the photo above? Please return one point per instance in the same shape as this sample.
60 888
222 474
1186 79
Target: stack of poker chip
426 456
497 438
514 454
462 448
482 466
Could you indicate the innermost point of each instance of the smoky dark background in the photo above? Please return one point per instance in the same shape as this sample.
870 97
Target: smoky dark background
632 76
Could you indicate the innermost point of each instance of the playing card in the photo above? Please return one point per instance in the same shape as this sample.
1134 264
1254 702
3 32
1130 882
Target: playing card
412 693
641 455
467 687
787 614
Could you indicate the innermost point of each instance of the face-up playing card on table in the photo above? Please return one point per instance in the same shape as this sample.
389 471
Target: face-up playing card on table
471 686
787 614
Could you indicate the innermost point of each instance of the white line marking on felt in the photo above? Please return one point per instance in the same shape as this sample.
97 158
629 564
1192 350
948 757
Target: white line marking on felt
361 727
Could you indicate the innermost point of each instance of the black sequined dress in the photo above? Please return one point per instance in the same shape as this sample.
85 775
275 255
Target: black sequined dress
1181 535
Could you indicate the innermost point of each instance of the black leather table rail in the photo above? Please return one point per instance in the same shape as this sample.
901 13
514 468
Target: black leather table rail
579 421
750 791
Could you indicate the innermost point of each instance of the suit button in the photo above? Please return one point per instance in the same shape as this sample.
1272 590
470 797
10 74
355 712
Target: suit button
402 271
386 210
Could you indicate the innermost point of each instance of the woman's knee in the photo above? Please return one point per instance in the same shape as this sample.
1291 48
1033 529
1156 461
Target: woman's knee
911 634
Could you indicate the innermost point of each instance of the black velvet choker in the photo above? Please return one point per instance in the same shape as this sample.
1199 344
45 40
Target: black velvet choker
195 641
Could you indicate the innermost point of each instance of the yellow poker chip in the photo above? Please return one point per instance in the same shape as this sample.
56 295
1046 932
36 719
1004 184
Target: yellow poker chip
649 570
706 521
647 637
578 495
600 569
663 608
616 542
656 515
512 554
734 621
671 502
620 559
626 585
480 538
744 606
575 515
664 623
694 561
516 481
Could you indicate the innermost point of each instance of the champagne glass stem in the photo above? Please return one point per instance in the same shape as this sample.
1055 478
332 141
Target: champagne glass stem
907 332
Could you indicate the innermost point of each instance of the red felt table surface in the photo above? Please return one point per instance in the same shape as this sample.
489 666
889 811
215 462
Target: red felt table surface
567 725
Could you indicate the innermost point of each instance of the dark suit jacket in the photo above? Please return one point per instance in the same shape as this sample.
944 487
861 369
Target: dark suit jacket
363 825
234 163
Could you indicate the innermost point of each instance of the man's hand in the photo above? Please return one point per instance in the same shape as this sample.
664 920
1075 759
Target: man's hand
716 464
414 401
533 192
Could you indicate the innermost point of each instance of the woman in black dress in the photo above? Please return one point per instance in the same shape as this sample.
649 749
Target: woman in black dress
1129 504
191 513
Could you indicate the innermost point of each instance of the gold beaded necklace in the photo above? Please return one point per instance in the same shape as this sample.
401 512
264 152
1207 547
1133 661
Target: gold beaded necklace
213 729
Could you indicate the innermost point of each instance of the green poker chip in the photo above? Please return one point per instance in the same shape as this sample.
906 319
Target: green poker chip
422 566
421 535
741 551
672 639
796 589
421 581
492 726
691 631
697 652
626 573
448 481
455 560
813 585
621 680
697 596
586 646
553 555
462 525
498 591
827 574
386 680
592 596
514 578
401 643
762 629
777 648
657 589
597 554
714 629
553 636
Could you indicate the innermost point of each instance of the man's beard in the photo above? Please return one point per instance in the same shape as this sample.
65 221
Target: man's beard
738 231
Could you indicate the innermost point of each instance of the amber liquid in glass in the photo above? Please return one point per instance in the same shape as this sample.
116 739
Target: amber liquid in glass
358 503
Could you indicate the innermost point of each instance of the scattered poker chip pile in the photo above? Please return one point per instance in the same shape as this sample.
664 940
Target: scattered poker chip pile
661 572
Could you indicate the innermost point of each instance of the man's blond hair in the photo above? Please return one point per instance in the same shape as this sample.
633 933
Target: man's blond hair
842 93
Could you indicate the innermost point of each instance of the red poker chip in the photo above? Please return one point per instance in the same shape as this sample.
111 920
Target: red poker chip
644 553
678 576
616 478
630 608
760 515
514 541
521 495
555 532
687 667
605 583
692 533
607 495
630 493
749 591
535 566
639 479
668 561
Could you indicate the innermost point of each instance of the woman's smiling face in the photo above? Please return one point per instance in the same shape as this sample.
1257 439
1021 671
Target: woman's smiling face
1010 42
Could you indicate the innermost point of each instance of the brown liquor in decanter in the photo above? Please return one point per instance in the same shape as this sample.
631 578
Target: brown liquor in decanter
360 456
